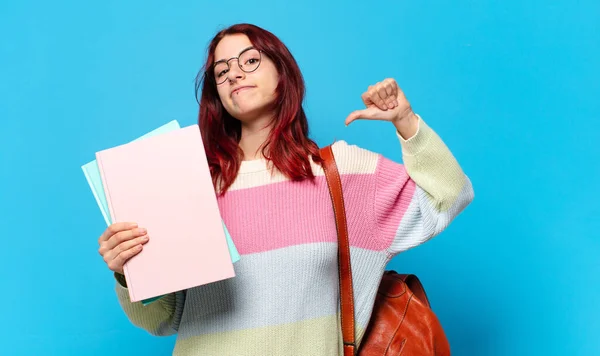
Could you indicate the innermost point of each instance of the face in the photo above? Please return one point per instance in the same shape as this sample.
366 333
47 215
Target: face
245 94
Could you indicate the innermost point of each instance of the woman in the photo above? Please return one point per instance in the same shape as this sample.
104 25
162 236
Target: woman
274 200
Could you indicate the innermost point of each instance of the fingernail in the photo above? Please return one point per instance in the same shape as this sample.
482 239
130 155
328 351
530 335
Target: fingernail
132 225
145 238
142 231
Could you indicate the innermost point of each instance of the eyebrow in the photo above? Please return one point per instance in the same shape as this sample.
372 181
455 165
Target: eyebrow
225 59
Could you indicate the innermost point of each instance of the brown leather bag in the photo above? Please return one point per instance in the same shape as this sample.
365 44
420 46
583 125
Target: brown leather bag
402 322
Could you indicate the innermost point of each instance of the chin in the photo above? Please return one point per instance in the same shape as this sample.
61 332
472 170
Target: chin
248 113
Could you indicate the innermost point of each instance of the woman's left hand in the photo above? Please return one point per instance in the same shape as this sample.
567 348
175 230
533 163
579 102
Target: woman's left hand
385 101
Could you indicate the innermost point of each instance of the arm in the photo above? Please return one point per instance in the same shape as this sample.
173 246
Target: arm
416 201
160 318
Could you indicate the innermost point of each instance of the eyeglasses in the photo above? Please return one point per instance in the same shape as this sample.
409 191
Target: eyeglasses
248 60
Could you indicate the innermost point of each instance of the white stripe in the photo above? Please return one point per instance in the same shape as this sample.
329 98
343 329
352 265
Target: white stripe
350 159
422 220
282 286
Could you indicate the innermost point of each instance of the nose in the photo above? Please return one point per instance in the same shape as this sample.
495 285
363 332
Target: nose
235 73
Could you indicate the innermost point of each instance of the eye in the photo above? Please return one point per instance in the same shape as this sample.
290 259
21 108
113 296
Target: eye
221 69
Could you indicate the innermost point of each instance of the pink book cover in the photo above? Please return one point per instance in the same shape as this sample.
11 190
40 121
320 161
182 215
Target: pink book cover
163 183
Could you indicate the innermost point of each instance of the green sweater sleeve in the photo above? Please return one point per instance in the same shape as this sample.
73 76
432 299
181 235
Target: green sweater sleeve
160 318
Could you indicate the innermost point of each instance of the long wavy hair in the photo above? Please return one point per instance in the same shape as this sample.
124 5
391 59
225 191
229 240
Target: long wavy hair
287 146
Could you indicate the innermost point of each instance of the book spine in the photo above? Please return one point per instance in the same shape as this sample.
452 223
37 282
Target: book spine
113 217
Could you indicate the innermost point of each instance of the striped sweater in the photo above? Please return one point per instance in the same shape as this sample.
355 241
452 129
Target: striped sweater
284 299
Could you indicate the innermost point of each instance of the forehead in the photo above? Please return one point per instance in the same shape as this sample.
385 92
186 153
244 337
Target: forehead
231 46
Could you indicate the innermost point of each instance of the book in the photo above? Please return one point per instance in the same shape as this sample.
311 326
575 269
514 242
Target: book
92 175
163 183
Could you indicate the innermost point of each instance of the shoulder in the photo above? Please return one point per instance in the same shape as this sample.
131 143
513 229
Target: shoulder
352 159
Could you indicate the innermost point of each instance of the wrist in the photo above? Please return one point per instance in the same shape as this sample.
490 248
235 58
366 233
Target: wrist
407 124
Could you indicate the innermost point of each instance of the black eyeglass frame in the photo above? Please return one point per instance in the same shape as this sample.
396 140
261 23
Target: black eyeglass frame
211 71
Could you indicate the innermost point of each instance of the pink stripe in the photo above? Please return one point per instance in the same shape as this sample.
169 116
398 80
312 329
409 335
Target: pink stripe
395 190
299 213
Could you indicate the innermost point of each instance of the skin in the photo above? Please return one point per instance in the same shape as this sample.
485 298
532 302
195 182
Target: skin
383 101
120 242
248 105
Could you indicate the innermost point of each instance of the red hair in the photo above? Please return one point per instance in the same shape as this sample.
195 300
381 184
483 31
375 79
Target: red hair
287 146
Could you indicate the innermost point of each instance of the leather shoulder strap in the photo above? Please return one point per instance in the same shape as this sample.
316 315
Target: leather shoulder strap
345 271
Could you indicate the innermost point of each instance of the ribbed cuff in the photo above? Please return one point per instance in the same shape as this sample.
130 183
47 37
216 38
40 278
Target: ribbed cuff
418 141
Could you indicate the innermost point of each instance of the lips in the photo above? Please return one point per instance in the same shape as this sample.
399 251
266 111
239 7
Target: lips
245 87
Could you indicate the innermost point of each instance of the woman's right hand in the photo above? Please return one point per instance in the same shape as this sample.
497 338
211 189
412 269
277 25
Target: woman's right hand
120 242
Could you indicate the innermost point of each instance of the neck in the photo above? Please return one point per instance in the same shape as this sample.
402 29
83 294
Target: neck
254 135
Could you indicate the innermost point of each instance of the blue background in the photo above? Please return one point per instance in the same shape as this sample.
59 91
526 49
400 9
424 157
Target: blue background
511 87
